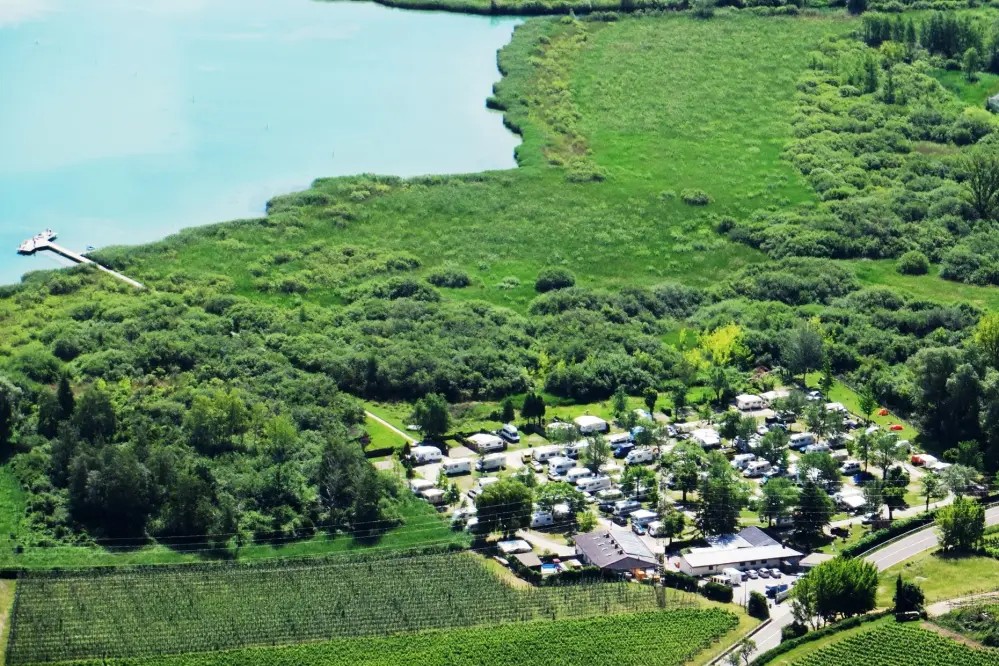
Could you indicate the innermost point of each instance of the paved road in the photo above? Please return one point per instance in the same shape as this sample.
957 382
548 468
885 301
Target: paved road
390 427
884 558
921 541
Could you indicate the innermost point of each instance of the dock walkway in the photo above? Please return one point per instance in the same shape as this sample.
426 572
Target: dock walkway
44 241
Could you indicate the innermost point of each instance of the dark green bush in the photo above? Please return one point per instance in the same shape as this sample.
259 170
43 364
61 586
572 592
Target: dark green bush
693 197
757 606
913 262
550 279
718 592
449 276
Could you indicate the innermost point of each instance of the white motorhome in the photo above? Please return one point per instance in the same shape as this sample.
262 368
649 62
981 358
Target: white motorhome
577 474
756 468
491 462
558 466
575 449
509 433
542 519
545 453
609 495
419 485
643 517
422 455
742 460
483 442
800 440
639 456
746 402
589 424
593 484
850 467
735 577
618 439
452 467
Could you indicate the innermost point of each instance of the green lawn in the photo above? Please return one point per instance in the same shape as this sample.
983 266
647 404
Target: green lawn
842 393
929 286
942 577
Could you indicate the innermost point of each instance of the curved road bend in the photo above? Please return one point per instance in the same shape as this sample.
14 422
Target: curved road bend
884 558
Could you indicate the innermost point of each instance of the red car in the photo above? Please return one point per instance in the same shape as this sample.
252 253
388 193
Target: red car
896 427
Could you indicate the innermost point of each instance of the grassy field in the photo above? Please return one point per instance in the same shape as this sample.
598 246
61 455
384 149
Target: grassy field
886 643
942 577
659 639
510 224
142 612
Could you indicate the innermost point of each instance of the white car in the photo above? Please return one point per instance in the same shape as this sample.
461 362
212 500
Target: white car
764 573
775 573
752 574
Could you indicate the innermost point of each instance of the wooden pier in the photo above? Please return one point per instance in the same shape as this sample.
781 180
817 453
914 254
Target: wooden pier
44 241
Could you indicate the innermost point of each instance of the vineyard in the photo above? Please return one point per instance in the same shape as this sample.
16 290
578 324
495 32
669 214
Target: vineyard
142 612
645 639
899 645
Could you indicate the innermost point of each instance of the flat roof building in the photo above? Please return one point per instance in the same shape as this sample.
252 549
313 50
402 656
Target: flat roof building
616 550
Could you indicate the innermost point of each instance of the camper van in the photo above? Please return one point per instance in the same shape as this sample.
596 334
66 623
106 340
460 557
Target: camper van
558 466
800 440
639 457
609 495
542 519
509 433
742 460
576 474
643 517
419 485
422 455
850 467
452 467
480 486
756 468
593 484
735 577
619 438
545 453
491 462
575 449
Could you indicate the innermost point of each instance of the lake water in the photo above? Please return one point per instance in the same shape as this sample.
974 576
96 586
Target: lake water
122 121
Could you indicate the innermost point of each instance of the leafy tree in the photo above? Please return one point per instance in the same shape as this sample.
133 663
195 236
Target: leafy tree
49 414
586 521
987 336
971 63
67 401
673 523
885 450
650 396
508 414
813 512
720 502
802 351
95 416
533 408
959 478
619 401
913 262
526 476
908 597
856 7
596 454
969 454
961 525
844 587
432 415
982 183
678 395
548 495
728 427
504 506
550 279
862 448
827 469
686 470
772 447
827 381
931 488
757 606
868 402
779 498
720 382
638 480
804 605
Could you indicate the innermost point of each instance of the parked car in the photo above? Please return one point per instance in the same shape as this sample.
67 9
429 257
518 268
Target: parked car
623 450
638 529
752 574
606 507
775 573
620 520
626 507
764 573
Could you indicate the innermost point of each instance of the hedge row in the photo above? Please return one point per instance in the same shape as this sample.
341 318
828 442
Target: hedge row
875 539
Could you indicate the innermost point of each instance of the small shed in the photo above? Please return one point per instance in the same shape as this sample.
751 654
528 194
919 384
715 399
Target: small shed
529 560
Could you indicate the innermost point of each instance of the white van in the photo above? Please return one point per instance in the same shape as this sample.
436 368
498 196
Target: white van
558 466
742 460
419 485
575 449
840 455
491 462
800 440
425 454
643 517
542 519
509 433
817 448
593 484
639 456
457 466
545 453
609 495
756 468
577 474
850 467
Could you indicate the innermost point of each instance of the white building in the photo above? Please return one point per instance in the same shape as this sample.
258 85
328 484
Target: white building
485 443
751 548
589 424
778 394
748 402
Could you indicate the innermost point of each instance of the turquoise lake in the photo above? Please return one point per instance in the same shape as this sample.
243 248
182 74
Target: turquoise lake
122 121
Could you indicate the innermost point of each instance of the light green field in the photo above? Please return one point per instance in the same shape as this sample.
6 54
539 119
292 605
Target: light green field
942 577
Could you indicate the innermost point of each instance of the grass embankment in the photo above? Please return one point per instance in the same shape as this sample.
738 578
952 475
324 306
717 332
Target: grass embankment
942 577
886 643
657 639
